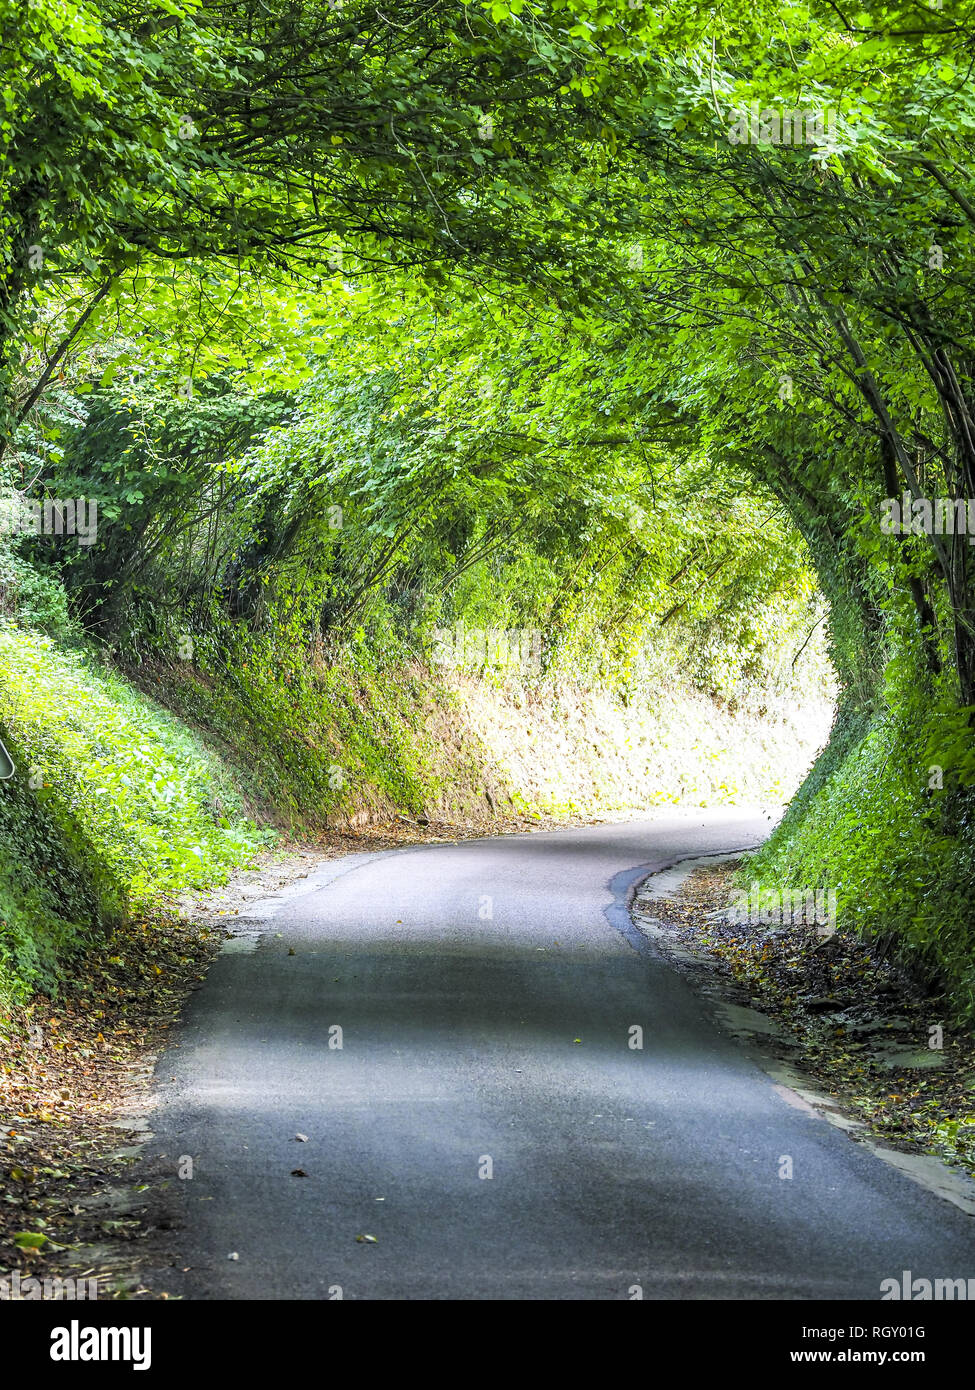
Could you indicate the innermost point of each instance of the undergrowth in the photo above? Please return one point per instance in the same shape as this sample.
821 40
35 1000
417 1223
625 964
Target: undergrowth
886 819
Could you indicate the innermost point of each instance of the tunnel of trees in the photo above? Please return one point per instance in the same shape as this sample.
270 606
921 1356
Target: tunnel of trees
635 324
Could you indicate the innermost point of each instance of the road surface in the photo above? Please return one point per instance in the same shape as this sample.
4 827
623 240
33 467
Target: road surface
487 1117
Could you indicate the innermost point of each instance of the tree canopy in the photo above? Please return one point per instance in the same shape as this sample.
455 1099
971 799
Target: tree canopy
633 322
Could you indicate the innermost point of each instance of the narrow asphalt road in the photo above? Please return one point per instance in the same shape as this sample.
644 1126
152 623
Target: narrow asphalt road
486 1118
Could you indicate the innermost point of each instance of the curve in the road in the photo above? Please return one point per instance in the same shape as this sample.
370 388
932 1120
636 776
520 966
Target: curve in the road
487 1116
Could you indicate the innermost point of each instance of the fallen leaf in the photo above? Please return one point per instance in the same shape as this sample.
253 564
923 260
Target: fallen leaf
30 1240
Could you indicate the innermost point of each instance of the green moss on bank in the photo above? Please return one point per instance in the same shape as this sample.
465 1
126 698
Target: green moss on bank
886 819
113 808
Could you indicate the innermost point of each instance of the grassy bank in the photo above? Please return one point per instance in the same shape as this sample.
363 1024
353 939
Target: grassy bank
885 819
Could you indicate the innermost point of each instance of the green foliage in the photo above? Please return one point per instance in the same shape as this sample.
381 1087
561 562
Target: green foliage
441 468
315 742
891 831
55 896
514 332
36 599
113 807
